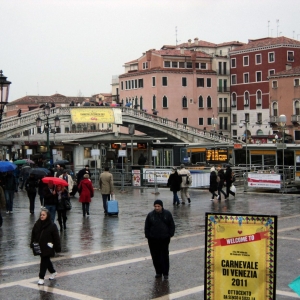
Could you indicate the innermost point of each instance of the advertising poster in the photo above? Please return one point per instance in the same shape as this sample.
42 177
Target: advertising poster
162 175
96 115
136 177
261 180
240 257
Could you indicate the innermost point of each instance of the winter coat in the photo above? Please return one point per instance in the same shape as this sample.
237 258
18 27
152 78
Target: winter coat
44 232
174 181
69 180
81 173
2 199
213 184
228 176
106 183
87 190
9 182
49 198
221 174
159 225
61 200
31 185
184 173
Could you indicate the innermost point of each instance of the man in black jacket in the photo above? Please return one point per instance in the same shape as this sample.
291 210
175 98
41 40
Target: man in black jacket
229 181
159 228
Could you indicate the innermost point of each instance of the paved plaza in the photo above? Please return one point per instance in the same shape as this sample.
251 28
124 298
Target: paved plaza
108 257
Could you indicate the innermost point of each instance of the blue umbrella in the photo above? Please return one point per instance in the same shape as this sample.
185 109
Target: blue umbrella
6 166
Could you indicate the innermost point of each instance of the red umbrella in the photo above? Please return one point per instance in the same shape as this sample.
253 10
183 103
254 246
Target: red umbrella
55 180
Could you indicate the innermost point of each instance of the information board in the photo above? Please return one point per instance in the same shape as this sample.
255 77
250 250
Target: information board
217 155
240 256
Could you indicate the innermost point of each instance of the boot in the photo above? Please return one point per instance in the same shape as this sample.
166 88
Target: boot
189 200
65 221
60 225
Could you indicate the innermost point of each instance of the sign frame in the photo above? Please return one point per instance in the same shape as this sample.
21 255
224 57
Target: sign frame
240 256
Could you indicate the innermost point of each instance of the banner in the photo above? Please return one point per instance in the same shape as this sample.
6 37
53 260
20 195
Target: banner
96 115
240 256
162 175
262 180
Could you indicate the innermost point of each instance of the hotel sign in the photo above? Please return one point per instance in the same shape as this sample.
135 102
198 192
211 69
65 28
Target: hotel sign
240 256
96 115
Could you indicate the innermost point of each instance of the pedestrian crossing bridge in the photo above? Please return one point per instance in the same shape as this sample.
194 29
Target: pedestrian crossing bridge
154 126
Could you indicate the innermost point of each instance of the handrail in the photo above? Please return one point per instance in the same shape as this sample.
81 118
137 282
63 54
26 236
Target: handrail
30 117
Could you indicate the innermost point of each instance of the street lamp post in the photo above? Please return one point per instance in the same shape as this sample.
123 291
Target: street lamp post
241 125
282 121
47 127
4 91
214 122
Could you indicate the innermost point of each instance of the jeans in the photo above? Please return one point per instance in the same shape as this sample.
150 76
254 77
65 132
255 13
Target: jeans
52 211
9 196
85 208
159 249
45 265
175 198
105 198
25 177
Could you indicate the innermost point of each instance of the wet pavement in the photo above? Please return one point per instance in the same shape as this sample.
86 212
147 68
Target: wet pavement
108 258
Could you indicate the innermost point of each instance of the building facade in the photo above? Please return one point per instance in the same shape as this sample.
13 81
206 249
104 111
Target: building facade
285 100
250 67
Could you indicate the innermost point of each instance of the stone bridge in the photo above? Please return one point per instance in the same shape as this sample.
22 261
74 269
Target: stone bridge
155 126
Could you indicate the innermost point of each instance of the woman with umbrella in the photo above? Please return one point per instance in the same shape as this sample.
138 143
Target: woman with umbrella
30 187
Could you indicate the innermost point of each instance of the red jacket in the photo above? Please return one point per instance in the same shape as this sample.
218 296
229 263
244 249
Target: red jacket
87 192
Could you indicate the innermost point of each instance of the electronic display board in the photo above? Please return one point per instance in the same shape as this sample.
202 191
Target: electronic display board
216 155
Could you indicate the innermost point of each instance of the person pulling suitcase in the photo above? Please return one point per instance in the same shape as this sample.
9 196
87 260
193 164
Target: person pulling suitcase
106 183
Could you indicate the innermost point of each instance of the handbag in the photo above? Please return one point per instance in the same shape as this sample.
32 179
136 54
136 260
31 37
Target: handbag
68 204
233 188
36 249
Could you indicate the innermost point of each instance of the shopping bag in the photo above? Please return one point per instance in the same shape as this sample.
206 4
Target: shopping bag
233 188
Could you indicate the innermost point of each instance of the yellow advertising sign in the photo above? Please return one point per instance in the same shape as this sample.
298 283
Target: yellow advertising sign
240 260
96 115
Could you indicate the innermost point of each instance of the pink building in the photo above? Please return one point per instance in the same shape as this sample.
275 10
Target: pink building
177 84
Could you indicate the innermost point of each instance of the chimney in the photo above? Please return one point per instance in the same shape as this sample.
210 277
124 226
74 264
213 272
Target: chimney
189 41
288 67
181 50
196 41
148 55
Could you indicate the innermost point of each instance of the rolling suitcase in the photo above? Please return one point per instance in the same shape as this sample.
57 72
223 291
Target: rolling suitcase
112 207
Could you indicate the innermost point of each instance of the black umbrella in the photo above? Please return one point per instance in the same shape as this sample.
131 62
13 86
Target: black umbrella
40 172
25 170
61 162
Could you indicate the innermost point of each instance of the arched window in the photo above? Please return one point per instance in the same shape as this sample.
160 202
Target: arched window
165 102
246 99
208 102
297 108
259 132
184 102
233 100
200 102
154 102
275 109
258 98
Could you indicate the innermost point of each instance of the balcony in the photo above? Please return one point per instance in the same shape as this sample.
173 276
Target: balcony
274 119
223 89
222 72
225 110
295 119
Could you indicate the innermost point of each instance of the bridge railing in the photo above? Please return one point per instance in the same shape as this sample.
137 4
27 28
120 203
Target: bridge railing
142 114
30 117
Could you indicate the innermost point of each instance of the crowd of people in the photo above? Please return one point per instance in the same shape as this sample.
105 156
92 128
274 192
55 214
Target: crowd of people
55 196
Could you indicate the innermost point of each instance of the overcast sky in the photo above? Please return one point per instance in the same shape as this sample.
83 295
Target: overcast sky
74 47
